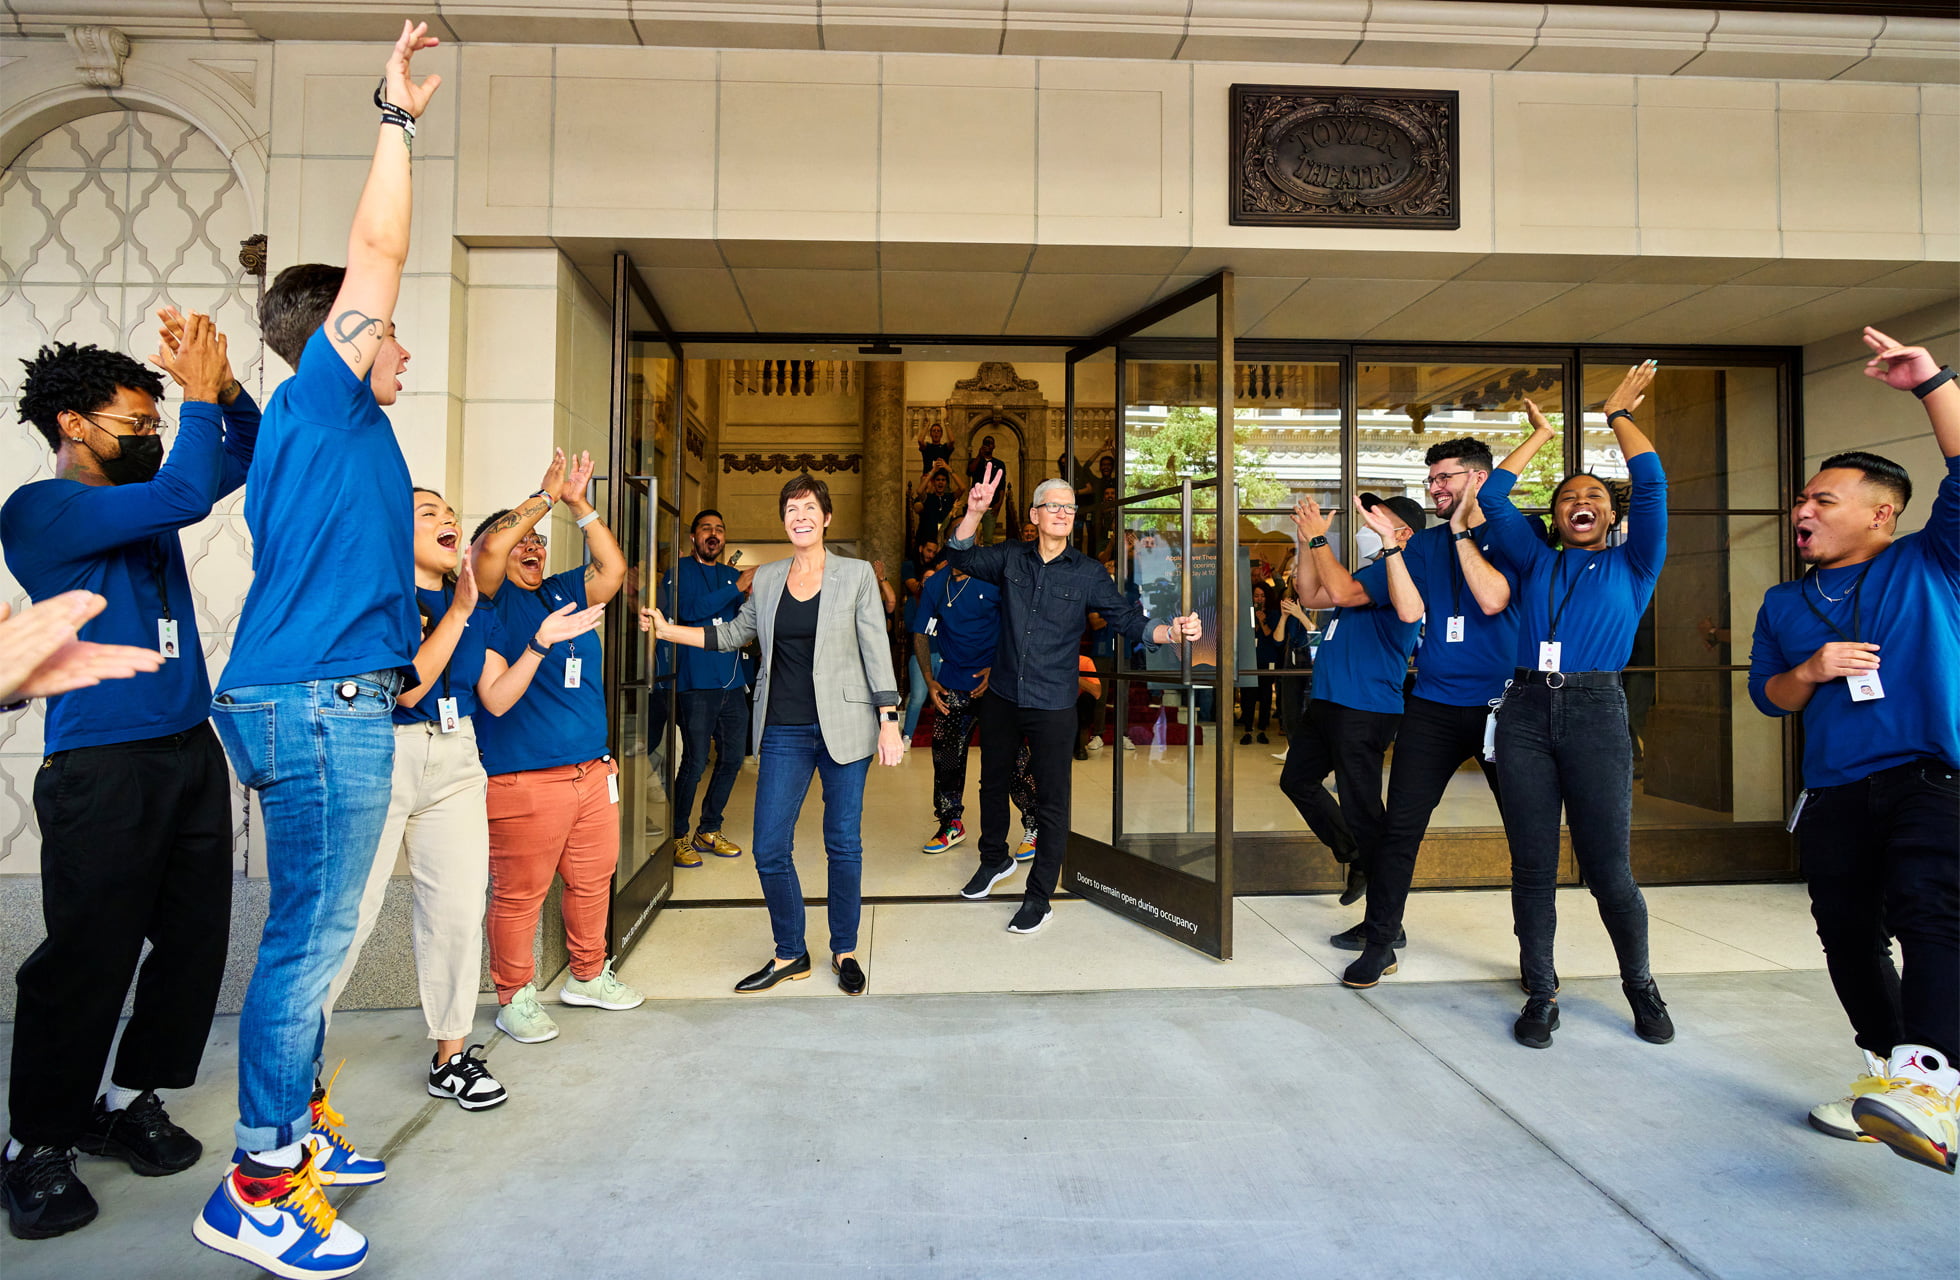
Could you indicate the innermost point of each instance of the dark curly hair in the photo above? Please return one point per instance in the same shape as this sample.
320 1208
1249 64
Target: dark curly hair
296 304
65 377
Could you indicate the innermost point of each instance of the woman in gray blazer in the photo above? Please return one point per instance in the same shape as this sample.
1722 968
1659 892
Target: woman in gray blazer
826 698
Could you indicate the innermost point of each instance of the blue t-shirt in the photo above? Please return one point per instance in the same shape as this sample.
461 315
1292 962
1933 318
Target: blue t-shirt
1609 588
550 725
333 535
1364 655
968 630
1909 606
1471 671
458 679
120 541
708 596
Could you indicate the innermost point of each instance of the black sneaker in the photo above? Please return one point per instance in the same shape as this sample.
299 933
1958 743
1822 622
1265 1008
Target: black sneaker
466 1078
1650 1020
1374 963
141 1134
1356 939
1357 883
1030 917
1535 1025
44 1197
986 878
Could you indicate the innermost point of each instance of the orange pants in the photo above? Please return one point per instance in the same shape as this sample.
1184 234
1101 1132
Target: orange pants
543 822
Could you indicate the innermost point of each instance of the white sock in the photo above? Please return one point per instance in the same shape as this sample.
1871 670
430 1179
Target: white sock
286 1157
13 1148
118 1098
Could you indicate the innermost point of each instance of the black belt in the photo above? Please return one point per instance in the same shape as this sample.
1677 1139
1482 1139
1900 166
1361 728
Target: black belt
1567 679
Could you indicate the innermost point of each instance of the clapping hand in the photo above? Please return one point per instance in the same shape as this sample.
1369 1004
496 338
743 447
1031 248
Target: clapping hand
1899 367
40 656
1381 520
563 624
1632 389
1309 519
1466 503
980 495
1536 417
554 475
465 598
578 476
203 368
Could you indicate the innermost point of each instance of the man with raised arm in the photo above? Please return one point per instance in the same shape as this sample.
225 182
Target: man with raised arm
1866 647
328 633
1047 591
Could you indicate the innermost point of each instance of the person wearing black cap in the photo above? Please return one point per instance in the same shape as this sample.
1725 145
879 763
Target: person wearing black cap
1357 690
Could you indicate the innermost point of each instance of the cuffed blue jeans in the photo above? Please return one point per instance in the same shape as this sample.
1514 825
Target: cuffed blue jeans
321 755
790 754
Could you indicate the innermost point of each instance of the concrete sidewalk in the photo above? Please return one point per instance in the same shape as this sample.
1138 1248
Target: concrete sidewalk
1285 1131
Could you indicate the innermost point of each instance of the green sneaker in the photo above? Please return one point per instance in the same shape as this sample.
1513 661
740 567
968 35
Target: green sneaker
524 1019
602 991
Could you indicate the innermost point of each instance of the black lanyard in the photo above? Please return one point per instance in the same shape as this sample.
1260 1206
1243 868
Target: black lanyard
1559 612
1456 580
157 575
449 598
1857 603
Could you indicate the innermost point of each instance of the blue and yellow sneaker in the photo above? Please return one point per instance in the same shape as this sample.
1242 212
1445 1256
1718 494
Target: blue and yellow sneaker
1026 849
335 1162
950 834
279 1220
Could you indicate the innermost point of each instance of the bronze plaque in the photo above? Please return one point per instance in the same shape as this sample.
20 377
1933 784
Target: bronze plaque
1342 157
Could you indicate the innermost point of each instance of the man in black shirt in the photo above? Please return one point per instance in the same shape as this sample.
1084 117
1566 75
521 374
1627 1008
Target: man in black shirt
1047 591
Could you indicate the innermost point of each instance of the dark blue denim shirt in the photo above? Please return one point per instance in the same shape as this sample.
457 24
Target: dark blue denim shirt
1044 611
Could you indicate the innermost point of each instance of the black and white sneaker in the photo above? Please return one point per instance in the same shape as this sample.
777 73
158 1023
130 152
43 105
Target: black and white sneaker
985 879
466 1078
44 1197
1030 917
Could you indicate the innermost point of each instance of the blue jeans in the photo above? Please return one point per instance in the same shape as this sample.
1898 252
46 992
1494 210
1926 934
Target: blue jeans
915 702
322 764
790 754
721 717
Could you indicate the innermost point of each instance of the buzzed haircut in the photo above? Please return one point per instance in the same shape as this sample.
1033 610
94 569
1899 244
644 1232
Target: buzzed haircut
1881 471
65 378
1473 452
703 514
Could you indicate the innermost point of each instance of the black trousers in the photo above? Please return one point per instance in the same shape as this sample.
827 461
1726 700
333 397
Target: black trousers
1432 743
1050 739
1350 745
1880 855
135 844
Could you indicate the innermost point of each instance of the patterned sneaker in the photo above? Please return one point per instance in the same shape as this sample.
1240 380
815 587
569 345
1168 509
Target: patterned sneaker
684 854
142 1135
1835 1118
949 835
281 1222
44 1197
1026 849
524 1019
466 1078
335 1162
713 842
601 991
1917 1113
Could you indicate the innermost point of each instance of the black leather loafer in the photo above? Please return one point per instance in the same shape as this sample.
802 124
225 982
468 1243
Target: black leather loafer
772 973
850 976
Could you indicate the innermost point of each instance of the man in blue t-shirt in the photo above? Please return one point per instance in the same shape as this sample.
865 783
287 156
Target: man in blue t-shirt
713 698
1357 694
305 706
1866 647
132 798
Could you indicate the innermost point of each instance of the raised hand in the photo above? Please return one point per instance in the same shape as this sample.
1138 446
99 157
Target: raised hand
465 599
401 90
578 478
1309 519
554 475
1536 416
195 356
1380 520
40 656
1632 389
563 624
1899 367
1466 505
980 495
170 339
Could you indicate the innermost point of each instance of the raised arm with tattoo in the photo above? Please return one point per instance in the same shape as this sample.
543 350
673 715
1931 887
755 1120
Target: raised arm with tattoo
490 557
606 572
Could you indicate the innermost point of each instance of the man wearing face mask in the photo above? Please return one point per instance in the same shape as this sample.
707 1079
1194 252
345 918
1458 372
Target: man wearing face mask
132 798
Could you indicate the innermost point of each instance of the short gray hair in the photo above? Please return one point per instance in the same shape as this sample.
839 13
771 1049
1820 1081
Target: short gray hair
1041 491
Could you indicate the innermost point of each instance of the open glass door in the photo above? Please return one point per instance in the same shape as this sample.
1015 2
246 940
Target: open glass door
1160 849
641 501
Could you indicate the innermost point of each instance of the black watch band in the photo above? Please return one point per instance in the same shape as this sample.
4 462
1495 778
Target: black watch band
1619 413
890 716
1934 383
1391 551
1463 534
1318 540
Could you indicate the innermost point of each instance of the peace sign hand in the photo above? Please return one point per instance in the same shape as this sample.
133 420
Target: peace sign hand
980 495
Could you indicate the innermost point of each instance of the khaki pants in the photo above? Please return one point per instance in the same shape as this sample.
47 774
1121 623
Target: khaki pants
436 812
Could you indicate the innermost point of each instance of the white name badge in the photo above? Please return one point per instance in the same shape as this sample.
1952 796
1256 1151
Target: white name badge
572 666
1330 631
1454 632
1865 688
167 637
446 718
612 787
932 626
1548 651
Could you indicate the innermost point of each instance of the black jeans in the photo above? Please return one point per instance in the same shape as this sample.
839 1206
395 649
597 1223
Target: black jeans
1882 855
1350 745
720 716
1569 747
1433 742
1050 739
135 844
950 734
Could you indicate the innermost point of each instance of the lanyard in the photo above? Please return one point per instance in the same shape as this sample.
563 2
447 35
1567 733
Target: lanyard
157 575
1857 602
1456 581
448 598
1555 574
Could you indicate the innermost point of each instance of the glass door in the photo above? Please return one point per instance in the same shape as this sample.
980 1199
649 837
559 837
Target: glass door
1160 848
641 500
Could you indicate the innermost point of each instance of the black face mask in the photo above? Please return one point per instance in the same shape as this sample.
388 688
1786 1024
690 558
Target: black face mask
138 462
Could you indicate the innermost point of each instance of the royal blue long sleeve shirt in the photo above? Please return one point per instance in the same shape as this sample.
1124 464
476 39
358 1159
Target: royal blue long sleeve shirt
708 595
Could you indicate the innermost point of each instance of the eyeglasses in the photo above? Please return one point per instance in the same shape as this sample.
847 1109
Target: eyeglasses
1057 508
145 425
532 539
1443 478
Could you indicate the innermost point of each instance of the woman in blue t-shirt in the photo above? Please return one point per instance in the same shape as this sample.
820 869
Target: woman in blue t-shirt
1562 739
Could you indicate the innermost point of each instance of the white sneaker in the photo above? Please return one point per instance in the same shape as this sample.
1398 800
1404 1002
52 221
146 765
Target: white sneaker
1095 744
601 991
524 1019
466 1078
1835 1119
1128 745
1917 1113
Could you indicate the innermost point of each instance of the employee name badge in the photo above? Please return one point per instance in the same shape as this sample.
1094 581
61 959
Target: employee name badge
1548 651
612 787
932 626
1330 631
572 666
446 718
1454 632
1865 687
167 637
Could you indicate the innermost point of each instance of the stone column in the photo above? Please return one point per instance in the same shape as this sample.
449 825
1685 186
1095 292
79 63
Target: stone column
883 516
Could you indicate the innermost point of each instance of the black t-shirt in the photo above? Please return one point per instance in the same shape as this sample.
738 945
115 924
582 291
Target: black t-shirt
934 509
930 453
792 684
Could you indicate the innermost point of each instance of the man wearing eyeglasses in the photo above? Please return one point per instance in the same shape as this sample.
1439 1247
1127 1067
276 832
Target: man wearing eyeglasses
1048 589
132 796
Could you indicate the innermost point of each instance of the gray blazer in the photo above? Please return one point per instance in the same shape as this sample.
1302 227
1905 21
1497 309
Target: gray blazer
852 666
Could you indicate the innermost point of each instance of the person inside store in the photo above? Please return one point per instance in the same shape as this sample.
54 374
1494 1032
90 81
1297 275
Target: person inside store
826 701
1256 701
1464 661
934 448
132 798
553 795
1047 590
1357 691
712 695
934 499
1865 646
1562 736
914 574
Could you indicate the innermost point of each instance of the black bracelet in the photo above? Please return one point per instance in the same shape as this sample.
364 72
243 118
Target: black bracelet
392 114
1391 551
1462 534
1318 540
15 706
1619 413
1934 383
